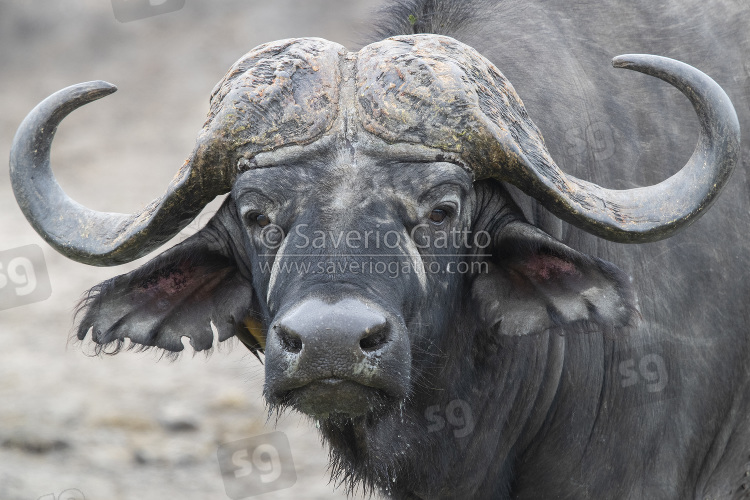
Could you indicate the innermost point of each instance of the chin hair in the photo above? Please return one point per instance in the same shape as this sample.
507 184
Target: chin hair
365 453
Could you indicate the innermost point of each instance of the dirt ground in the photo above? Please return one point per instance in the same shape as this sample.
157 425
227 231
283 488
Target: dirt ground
130 426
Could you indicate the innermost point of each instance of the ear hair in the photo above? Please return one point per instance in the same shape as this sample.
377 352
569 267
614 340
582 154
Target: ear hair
535 283
189 291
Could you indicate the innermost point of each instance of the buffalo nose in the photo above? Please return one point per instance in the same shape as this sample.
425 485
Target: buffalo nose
346 326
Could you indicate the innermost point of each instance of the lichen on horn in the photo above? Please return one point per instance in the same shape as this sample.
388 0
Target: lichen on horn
429 92
435 91
278 94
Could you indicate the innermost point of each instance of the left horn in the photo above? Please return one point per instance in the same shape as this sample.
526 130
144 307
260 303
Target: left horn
82 234
655 212
434 91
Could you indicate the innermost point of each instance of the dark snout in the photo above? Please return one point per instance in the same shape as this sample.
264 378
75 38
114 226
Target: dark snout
346 357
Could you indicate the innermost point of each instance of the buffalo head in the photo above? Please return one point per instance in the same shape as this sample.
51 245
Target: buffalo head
366 212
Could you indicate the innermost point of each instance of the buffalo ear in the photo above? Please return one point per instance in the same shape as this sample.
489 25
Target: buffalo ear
535 283
180 293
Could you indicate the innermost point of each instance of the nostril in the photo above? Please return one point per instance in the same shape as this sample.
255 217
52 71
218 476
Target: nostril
374 338
348 328
290 341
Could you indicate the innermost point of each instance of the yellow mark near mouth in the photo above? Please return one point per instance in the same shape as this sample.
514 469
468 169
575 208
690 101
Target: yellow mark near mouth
256 330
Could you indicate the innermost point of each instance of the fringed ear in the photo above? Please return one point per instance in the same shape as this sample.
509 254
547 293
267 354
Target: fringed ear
534 283
180 293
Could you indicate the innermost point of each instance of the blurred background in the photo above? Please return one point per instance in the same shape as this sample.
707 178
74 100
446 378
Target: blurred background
132 426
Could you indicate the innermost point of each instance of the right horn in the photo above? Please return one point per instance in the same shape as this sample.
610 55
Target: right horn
278 94
86 235
655 212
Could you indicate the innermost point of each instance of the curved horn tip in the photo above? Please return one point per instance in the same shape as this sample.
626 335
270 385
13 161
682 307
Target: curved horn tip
92 90
105 86
629 60
623 60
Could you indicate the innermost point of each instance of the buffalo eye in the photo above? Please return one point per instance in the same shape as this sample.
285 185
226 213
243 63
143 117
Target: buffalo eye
260 219
438 215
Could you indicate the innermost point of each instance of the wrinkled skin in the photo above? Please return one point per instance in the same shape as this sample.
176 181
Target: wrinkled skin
346 193
511 381
522 281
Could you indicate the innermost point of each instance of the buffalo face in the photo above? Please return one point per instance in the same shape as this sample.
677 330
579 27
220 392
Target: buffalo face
350 272
366 219
344 245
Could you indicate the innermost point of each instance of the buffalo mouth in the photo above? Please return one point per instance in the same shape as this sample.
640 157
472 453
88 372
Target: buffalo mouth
336 396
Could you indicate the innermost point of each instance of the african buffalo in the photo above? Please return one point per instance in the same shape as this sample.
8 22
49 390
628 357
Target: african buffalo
394 244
